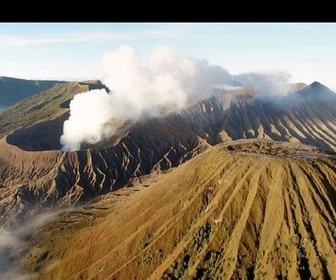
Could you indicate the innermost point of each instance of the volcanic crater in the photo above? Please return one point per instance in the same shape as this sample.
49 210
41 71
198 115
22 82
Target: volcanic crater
231 187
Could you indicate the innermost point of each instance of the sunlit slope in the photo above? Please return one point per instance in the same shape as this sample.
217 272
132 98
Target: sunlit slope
247 209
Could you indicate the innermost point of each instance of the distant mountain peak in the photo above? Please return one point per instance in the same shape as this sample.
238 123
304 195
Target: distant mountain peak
316 84
317 90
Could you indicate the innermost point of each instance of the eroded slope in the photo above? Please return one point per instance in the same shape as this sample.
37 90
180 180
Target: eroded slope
257 209
35 174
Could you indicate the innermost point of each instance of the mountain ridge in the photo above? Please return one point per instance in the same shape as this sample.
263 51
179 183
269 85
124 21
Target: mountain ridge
233 186
151 145
13 90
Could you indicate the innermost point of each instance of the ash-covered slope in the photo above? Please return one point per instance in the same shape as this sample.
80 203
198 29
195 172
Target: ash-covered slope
249 209
34 174
307 116
32 180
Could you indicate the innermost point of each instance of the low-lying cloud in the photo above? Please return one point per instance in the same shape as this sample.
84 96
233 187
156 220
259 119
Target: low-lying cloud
11 250
13 246
166 84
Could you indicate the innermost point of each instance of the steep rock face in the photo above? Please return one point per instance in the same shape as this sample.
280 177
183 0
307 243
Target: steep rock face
248 209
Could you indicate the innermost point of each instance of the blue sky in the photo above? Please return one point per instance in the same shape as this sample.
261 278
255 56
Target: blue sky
73 51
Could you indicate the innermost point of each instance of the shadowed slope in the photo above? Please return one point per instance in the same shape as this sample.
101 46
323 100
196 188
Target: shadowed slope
246 209
13 90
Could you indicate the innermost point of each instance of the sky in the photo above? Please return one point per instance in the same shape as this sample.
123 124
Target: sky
74 51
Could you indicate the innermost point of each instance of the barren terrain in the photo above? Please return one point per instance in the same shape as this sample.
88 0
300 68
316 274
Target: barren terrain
236 186
248 209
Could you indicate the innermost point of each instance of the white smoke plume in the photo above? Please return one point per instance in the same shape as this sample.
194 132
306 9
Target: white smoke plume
274 83
166 84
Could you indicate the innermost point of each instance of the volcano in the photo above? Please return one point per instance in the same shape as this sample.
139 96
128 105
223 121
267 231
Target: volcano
238 185
260 209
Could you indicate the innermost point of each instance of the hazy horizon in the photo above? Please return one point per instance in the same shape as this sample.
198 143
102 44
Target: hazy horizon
73 51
